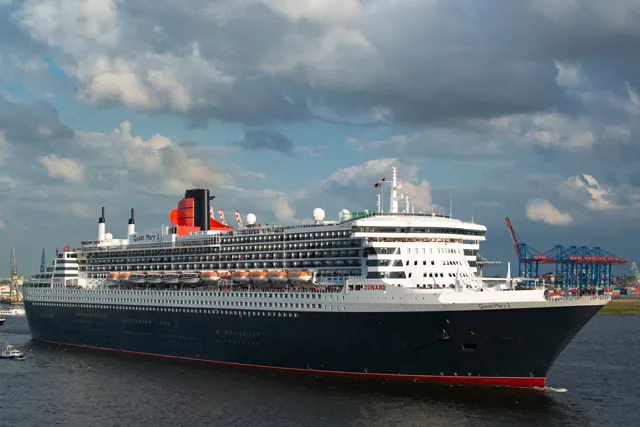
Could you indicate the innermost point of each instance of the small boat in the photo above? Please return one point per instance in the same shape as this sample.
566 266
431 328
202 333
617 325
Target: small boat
154 278
209 276
189 277
10 352
113 277
240 276
171 278
124 277
2 320
300 276
138 278
13 311
276 276
258 276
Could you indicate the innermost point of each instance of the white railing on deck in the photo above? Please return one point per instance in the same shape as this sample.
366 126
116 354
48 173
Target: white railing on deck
577 298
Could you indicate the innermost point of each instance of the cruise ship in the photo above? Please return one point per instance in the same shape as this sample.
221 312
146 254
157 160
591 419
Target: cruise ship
387 293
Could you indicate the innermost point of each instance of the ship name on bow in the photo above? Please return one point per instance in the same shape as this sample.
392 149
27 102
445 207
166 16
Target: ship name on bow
496 305
146 237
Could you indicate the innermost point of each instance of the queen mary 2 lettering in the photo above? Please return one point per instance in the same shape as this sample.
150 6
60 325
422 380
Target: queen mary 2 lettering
388 294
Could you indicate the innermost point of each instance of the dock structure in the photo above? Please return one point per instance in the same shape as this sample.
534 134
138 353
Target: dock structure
16 290
482 261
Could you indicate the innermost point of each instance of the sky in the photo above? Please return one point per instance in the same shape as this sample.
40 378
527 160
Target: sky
528 110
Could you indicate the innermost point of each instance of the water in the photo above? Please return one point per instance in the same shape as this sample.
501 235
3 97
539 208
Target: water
594 383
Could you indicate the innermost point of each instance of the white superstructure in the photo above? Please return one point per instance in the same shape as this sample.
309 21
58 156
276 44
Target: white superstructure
412 253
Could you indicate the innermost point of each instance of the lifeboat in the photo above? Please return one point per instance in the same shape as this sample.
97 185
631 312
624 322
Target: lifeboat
154 278
113 277
300 276
124 276
189 277
258 276
224 275
276 276
240 276
209 276
138 278
171 278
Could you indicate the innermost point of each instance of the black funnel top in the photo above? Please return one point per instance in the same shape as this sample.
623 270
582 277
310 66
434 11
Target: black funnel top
201 207
132 220
101 219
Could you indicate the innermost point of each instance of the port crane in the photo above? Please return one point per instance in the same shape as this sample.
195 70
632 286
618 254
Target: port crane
529 258
636 272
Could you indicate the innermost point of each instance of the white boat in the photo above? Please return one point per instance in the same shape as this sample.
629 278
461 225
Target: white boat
138 278
171 278
209 276
277 276
189 278
259 276
301 276
13 311
113 277
154 278
10 352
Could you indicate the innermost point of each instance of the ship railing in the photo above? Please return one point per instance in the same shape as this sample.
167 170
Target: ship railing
369 215
105 287
577 297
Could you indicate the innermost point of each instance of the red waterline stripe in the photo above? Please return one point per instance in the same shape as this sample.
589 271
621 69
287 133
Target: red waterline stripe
521 382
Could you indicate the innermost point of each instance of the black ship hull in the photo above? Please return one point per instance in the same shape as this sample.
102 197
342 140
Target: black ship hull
511 347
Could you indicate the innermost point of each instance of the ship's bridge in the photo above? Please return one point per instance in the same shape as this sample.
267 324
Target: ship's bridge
418 227
425 234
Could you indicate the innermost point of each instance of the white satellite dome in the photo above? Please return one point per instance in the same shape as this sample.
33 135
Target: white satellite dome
318 214
344 215
251 219
108 236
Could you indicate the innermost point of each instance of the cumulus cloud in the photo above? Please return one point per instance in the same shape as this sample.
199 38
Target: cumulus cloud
264 60
66 169
155 166
543 211
586 190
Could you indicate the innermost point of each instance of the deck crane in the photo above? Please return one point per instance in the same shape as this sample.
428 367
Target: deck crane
223 220
239 219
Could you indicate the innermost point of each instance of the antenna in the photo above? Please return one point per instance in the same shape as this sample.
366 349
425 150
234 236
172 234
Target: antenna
393 200
42 262
379 204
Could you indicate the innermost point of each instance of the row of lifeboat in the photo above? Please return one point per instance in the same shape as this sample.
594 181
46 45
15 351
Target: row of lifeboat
238 276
